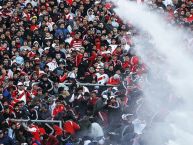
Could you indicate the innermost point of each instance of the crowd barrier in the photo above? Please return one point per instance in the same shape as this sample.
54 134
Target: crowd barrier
40 121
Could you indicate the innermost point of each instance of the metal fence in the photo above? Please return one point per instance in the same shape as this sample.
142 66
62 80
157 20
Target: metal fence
90 84
84 84
40 121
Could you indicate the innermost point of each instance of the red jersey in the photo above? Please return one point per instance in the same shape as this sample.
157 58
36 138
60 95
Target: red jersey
71 127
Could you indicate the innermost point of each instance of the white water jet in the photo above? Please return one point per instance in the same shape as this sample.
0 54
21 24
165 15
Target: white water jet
170 87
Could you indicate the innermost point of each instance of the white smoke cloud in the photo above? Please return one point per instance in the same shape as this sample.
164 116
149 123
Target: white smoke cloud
169 92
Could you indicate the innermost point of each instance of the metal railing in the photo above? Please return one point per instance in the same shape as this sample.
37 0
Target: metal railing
90 84
41 121
84 84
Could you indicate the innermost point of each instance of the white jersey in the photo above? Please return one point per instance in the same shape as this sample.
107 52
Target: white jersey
113 47
22 96
102 79
52 65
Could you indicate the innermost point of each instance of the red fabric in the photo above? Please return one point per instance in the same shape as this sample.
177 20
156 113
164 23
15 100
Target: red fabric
14 94
18 97
11 109
118 20
98 44
58 130
118 53
101 78
79 59
33 27
92 57
3 48
134 68
190 19
31 54
34 92
108 5
113 81
27 15
58 109
69 2
36 134
107 17
42 131
72 33
106 58
126 64
134 60
21 95
71 127
63 78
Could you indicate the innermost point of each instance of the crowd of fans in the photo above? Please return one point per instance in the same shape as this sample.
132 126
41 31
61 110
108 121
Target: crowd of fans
178 12
52 52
